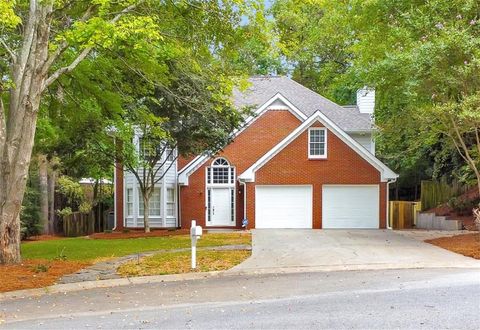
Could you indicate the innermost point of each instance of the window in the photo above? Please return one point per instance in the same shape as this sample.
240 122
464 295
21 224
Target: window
129 200
154 206
232 204
170 154
317 143
221 172
209 204
149 149
170 202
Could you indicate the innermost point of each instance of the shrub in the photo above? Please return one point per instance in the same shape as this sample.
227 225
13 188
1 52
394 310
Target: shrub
41 268
30 213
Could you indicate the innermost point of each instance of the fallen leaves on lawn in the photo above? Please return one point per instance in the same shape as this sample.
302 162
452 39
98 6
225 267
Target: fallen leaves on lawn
36 273
179 263
468 244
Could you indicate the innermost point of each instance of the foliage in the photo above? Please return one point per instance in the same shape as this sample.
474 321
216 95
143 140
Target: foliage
462 206
421 57
71 189
30 215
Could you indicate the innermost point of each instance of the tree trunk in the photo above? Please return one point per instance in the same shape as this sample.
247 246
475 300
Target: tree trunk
43 183
146 213
17 130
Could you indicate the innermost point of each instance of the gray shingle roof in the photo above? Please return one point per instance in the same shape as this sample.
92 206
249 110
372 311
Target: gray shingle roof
264 88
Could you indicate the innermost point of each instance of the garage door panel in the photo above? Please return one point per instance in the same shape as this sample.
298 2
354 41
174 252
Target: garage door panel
348 206
283 207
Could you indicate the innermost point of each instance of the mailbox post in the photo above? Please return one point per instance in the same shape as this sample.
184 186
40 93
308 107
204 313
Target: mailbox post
195 234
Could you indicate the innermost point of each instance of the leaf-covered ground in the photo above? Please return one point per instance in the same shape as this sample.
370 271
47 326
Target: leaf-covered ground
179 263
468 244
46 260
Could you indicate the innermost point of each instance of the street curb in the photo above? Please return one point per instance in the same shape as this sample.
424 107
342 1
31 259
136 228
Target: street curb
79 286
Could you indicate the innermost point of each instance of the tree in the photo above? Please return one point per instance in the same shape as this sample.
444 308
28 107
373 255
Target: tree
46 40
422 59
192 115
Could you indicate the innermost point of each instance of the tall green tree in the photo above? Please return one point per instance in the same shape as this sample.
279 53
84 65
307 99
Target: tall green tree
44 41
422 58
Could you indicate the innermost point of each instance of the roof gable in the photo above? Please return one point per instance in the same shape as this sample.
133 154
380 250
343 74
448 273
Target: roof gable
277 102
386 173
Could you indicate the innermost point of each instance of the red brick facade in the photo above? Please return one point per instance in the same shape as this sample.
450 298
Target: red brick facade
292 166
256 140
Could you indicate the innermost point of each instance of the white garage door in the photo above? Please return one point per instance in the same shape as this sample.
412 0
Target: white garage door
350 206
283 207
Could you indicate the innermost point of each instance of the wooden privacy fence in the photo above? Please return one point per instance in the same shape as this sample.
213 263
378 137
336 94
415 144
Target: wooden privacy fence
78 224
403 215
434 193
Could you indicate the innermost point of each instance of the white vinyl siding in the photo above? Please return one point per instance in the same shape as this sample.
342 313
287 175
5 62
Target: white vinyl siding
159 218
365 139
317 142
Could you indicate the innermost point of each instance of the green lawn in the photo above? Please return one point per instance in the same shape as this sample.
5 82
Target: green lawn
86 249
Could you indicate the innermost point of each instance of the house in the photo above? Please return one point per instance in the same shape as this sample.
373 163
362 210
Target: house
301 161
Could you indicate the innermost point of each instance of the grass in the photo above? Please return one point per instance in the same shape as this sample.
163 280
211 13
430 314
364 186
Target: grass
179 262
85 249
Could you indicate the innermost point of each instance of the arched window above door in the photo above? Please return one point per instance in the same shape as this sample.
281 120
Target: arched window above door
220 172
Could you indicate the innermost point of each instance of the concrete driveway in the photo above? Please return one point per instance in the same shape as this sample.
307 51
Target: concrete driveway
291 250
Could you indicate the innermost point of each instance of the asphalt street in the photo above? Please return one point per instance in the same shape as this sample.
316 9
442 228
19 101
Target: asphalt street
409 299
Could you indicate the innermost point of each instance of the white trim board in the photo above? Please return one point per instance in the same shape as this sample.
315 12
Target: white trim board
198 161
386 173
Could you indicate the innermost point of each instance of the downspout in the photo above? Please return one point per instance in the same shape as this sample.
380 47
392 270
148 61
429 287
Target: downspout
388 203
114 191
244 198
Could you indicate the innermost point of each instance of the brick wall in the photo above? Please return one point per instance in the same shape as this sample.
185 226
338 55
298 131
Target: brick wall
256 140
292 166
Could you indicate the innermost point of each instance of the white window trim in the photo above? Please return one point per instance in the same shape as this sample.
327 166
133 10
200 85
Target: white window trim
324 156
150 216
174 202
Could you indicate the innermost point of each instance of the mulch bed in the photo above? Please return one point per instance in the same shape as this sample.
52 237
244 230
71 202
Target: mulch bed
467 244
140 234
36 273
42 238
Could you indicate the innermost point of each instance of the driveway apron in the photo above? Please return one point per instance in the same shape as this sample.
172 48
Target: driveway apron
297 249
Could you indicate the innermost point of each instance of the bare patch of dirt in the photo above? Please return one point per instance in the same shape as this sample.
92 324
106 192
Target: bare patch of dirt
36 273
139 234
468 244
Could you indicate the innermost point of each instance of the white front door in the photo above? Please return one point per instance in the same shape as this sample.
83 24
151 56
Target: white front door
220 207
350 206
283 206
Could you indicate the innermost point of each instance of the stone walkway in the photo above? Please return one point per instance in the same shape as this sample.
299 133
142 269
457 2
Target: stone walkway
107 270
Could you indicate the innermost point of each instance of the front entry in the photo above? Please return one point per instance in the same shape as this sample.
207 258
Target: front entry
220 179
220 207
